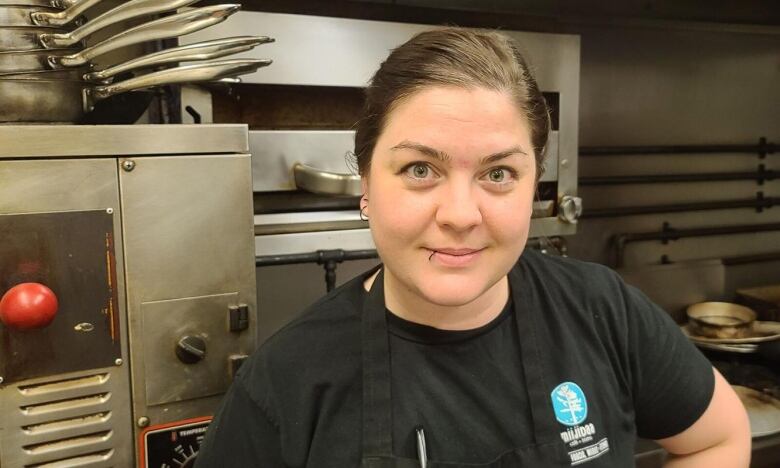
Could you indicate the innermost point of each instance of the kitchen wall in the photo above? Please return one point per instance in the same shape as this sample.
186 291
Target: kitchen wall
645 85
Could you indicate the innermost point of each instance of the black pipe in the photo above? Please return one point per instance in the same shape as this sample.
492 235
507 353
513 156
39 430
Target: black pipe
755 258
670 234
328 258
760 203
759 176
762 149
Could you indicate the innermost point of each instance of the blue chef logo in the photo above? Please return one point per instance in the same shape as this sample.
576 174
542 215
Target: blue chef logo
569 404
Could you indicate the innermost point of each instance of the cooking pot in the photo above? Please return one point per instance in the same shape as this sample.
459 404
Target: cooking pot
49 101
720 319
21 15
73 9
29 61
43 3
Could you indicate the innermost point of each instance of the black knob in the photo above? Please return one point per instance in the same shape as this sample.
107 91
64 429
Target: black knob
191 349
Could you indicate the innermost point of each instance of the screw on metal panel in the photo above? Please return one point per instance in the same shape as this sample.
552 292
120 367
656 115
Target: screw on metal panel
118 362
110 210
128 165
143 421
565 162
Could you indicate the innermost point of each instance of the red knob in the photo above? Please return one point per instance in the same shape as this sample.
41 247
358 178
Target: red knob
27 306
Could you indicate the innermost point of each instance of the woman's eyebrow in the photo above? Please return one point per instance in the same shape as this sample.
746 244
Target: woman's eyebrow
442 156
502 154
424 149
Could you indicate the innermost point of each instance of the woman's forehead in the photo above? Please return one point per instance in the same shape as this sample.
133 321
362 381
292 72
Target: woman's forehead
449 119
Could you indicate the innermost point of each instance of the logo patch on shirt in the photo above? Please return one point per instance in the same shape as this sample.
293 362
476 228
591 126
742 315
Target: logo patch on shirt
571 409
569 404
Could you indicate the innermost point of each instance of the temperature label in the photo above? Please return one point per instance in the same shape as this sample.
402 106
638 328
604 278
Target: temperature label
173 445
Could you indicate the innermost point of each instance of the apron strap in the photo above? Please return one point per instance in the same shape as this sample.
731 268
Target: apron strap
526 310
377 403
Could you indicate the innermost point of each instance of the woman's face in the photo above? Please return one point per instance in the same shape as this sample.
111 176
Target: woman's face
449 190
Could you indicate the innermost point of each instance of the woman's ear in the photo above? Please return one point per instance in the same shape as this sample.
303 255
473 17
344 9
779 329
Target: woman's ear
364 187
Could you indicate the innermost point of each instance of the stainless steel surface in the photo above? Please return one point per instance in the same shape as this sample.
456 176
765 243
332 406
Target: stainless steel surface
44 3
166 209
88 141
88 402
125 11
199 51
168 226
60 18
324 182
163 28
50 100
164 323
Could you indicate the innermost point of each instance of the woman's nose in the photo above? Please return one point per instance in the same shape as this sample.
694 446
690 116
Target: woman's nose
459 207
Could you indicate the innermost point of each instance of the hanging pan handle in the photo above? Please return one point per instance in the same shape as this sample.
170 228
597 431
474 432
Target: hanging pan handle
61 18
123 12
209 71
206 50
327 183
170 26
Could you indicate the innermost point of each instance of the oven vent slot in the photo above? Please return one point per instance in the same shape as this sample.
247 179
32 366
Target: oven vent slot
89 459
63 423
69 443
61 385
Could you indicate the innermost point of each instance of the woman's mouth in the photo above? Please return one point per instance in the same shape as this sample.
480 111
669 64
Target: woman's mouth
450 257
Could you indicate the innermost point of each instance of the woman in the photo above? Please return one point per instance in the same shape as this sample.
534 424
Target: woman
454 353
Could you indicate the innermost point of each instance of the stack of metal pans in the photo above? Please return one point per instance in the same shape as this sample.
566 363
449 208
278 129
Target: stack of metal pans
47 75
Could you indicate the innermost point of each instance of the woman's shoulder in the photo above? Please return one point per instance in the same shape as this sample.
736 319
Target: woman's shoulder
326 332
573 274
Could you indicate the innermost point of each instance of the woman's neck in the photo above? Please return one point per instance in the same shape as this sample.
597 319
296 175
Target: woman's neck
411 306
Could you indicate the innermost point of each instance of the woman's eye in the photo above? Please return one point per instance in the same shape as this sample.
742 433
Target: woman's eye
497 175
418 171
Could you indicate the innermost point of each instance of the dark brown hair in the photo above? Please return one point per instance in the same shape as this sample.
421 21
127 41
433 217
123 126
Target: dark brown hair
451 57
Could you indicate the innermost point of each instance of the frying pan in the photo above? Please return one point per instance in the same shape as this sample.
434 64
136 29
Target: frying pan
41 13
49 101
170 26
37 67
25 37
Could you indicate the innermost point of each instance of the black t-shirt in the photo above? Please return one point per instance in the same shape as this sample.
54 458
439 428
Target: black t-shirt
297 401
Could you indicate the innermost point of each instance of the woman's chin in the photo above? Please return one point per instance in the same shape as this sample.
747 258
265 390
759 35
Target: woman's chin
452 295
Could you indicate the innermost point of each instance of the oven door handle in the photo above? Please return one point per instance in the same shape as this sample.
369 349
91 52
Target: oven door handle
325 182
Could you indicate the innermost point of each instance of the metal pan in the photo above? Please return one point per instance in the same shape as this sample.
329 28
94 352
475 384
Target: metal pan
25 37
21 15
124 12
42 3
720 319
171 26
26 13
58 101
176 25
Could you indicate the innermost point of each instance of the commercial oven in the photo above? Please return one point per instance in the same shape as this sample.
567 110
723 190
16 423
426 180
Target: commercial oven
305 189
143 234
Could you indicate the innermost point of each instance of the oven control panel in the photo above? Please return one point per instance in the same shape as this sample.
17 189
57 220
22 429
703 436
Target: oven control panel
173 445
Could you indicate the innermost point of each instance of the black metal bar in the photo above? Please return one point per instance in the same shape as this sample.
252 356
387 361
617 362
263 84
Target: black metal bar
758 203
762 148
756 258
670 234
311 257
760 176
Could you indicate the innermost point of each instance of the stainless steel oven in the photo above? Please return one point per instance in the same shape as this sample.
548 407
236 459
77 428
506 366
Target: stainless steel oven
302 182
144 235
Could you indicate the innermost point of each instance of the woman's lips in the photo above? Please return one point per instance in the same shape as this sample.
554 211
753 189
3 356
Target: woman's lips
454 257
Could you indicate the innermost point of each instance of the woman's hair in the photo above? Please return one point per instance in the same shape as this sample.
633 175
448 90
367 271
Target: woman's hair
451 57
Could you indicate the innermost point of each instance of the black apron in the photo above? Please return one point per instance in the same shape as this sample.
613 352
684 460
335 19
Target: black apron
548 450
